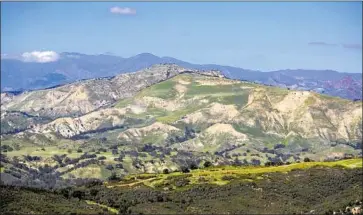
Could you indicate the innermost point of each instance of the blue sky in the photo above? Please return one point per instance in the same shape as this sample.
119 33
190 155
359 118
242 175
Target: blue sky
252 35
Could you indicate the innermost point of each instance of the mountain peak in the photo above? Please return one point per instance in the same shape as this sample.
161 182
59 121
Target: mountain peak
145 55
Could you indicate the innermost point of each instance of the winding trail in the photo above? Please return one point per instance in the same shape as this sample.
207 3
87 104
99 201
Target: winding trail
131 184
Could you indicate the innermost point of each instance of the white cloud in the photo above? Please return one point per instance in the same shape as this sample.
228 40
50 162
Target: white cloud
40 56
123 10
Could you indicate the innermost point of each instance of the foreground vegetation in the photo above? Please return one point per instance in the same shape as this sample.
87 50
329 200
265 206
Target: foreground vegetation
35 201
310 187
223 175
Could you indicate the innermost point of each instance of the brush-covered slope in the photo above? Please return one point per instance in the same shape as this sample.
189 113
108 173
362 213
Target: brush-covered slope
15 121
226 190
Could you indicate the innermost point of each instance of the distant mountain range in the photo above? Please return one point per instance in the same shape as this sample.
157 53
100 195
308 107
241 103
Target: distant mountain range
17 75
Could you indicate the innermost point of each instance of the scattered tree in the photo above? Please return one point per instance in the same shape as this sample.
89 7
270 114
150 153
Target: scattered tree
207 164
193 166
113 177
109 167
114 152
94 192
78 194
307 160
185 169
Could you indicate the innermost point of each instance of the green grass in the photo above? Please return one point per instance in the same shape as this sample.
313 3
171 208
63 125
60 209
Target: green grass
150 113
110 209
36 151
173 116
214 175
124 102
239 100
164 90
285 141
249 130
152 138
91 171
215 90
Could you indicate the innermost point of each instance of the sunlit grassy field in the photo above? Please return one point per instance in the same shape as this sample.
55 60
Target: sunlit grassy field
110 209
217 175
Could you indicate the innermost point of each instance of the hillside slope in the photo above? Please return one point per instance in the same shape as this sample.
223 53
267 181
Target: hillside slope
201 101
85 96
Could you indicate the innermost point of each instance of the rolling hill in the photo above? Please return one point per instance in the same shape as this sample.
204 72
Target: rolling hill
169 117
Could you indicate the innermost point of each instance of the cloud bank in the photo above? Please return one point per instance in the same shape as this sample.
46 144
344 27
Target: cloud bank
123 10
40 56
